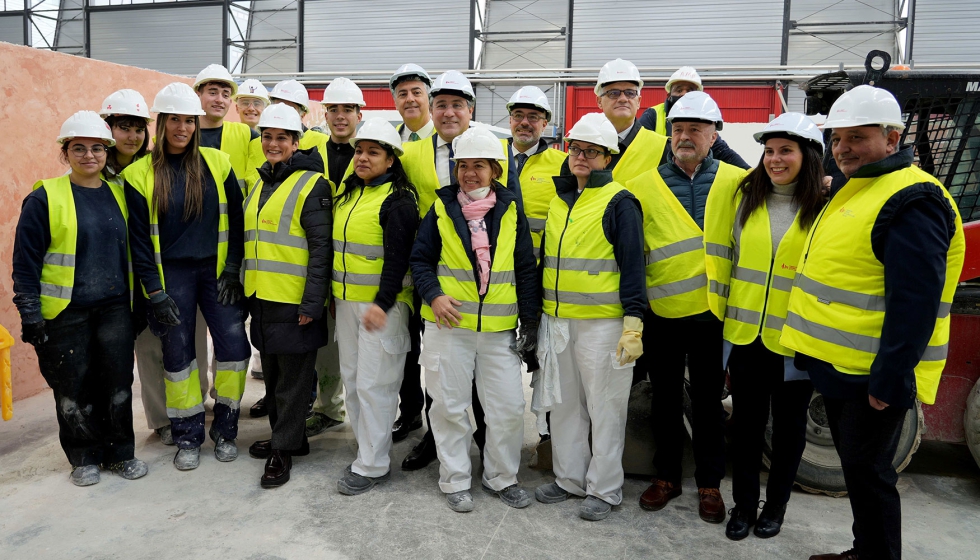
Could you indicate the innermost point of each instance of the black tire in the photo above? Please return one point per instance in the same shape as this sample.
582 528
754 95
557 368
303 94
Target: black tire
820 471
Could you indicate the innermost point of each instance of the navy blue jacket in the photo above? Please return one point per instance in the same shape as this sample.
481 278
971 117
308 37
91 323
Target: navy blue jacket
691 193
428 248
911 238
721 149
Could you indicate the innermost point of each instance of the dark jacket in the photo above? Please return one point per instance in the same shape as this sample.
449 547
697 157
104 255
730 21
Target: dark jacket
691 193
275 326
721 149
910 237
622 223
428 248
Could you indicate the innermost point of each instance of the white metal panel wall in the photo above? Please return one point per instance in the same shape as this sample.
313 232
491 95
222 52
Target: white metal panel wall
12 29
672 33
275 33
544 17
179 40
381 35
946 31
847 47
491 101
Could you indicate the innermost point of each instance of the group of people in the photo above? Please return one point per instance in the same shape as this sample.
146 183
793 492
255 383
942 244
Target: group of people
648 248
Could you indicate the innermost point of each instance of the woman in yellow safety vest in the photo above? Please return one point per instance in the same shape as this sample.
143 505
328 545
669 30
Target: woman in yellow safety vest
375 219
473 264
594 298
72 289
287 280
186 233
766 223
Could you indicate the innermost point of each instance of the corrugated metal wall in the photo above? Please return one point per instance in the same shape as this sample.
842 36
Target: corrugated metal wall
672 33
384 34
12 29
179 40
946 31
276 25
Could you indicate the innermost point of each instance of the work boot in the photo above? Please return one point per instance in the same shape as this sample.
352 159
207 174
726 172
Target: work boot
770 521
353 484
514 496
130 470
262 449
461 501
258 409
711 506
550 493
277 468
187 459
402 427
85 475
738 525
421 455
318 422
594 509
846 555
658 494
225 450
166 437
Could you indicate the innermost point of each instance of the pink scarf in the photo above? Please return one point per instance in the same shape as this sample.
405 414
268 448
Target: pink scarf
474 211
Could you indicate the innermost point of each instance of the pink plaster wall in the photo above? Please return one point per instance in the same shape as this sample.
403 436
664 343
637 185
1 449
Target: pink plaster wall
40 90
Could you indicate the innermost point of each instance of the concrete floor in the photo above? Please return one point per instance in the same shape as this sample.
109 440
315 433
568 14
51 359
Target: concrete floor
219 510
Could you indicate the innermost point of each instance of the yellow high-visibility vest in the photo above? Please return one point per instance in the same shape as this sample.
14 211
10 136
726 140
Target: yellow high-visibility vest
661 120
538 188
643 155
310 139
236 141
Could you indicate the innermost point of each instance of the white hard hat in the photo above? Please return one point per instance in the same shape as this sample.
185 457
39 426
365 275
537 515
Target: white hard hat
408 71
684 74
696 106
478 142
342 91
793 124
254 89
215 73
86 124
531 95
454 83
293 91
177 99
281 116
595 128
865 105
125 102
618 70
379 130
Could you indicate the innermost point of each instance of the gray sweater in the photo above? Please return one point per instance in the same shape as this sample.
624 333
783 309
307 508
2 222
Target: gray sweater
782 211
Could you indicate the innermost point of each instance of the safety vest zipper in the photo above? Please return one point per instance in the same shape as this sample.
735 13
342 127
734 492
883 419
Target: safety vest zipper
346 223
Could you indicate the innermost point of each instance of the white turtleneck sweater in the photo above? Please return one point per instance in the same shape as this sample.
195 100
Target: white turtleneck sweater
782 211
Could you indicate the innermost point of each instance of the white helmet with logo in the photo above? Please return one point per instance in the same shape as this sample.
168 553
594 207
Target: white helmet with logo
478 142
618 70
281 116
453 82
254 89
86 124
408 71
342 91
793 124
696 106
292 91
177 99
684 74
533 96
215 73
595 128
125 102
377 129
865 105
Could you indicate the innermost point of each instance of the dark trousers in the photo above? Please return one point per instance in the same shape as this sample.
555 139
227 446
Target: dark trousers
758 387
670 344
88 362
867 440
411 394
287 396
192 285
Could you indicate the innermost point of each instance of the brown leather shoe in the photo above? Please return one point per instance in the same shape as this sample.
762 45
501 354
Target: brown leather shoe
658 494
846 555
276 469
712 505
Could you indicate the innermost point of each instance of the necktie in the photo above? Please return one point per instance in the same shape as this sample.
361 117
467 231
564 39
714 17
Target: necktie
413 137
521 160
452 164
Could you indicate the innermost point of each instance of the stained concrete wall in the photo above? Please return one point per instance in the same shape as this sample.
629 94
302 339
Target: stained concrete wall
41 89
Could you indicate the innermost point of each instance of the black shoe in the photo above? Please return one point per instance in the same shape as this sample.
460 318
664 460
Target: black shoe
276 469
400 429
420 457
262 449
258 409
770 521
739 523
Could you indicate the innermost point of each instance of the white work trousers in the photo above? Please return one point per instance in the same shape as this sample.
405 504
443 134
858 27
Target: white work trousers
595 390
452 358
372 365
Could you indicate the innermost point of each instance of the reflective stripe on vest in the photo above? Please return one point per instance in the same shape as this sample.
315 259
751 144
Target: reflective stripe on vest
538 188
677 283
581 276
644 153
140 176
236 141
496 310
836 308
358 247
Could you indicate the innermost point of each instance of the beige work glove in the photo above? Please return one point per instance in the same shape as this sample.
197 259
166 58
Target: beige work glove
630 345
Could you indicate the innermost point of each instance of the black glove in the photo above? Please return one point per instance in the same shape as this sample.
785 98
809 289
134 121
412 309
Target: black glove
526 345
33 333
164 309
230 289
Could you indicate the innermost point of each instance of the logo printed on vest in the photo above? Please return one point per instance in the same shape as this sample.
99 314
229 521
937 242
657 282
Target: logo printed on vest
846 213
270 222
788 266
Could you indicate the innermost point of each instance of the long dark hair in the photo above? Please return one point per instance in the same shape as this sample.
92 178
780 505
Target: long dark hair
192 164
400 184
112 165
808 194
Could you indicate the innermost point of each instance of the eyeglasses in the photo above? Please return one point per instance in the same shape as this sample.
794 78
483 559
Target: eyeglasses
590 153
615 93
80 151
454 105
254 103
533 119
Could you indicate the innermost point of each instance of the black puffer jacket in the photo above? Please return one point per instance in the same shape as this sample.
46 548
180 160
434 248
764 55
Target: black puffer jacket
275 326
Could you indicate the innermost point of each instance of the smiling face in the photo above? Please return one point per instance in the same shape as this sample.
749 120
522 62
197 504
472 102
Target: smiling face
371 160
856 146
342 120
451 115
86 156
278 145
215 99
412 100
178 132
129 138
691 141
526 126
474 173
250 109
580 164
782 160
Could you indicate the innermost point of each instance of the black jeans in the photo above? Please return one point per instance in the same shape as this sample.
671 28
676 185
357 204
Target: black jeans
287 396
758 387
671 344
867 440
88 362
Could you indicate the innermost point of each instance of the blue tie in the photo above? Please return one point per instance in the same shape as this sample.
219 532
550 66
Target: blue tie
452 164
